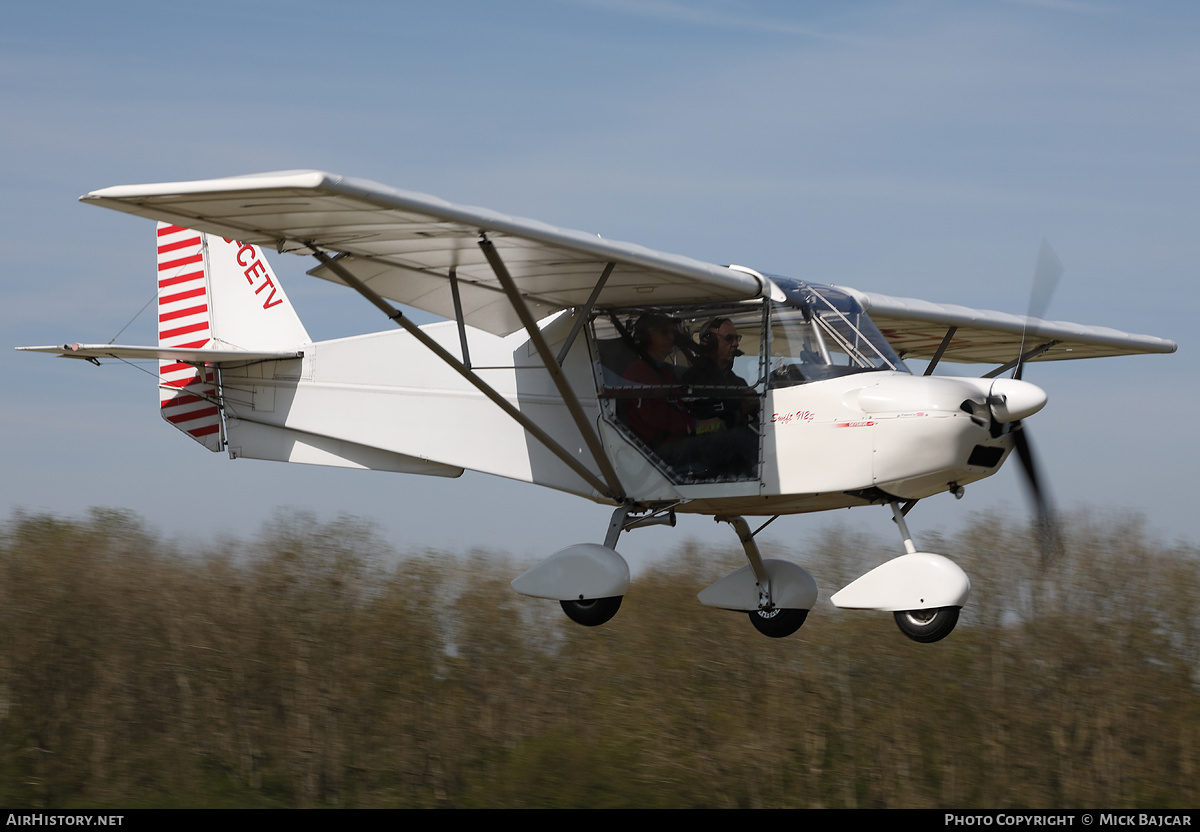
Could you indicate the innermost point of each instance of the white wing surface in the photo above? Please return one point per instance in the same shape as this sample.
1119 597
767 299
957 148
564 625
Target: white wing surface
916 329
404 245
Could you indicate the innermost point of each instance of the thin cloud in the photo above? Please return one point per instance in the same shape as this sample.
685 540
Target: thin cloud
1074 6
720 19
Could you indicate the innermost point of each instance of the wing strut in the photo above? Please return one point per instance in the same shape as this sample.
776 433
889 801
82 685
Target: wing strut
556 374
937 356
412 329
1021 359
584 312
458 316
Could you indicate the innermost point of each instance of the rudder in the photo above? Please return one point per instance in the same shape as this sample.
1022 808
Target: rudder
213 293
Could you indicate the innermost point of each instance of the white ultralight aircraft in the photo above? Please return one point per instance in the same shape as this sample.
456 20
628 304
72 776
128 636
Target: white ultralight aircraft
647 381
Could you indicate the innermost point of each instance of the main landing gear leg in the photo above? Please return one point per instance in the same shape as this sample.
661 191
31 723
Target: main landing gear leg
742 528
587 579
776 594
592 612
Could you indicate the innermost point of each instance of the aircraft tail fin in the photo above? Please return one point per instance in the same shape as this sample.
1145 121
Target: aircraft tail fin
219 294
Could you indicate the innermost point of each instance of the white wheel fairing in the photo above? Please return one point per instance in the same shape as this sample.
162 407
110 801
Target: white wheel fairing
918 581
792 588
584 571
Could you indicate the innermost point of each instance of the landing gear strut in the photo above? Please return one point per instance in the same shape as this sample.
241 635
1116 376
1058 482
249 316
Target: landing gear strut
589 580
776 594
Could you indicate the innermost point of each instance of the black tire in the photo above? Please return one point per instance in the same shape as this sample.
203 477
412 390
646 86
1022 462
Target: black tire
777 623
592 612
927 626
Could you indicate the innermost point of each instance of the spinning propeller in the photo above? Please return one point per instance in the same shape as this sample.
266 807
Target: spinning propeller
1045 281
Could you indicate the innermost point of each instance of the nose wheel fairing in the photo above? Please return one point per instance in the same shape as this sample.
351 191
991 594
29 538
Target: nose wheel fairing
916 581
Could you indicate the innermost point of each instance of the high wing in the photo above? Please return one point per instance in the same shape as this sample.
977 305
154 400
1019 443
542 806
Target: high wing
917 329
420 251
405 246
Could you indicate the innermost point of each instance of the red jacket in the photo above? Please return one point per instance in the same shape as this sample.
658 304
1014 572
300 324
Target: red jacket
659 415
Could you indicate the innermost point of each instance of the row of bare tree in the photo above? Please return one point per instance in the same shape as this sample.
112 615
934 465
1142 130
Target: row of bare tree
314 666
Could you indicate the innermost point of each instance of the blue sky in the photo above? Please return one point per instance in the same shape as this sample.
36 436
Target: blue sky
917 149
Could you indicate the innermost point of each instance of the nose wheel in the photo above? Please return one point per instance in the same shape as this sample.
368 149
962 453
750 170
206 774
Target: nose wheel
927 626
776 594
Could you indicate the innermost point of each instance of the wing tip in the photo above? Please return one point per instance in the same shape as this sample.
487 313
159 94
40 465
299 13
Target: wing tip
297 178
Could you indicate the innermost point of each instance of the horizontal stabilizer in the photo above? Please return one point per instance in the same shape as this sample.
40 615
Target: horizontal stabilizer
186 356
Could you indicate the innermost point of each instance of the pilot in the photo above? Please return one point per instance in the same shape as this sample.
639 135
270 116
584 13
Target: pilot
718 347
694 447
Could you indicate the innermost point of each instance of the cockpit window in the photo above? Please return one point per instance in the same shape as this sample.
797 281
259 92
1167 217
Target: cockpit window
684 384
820 332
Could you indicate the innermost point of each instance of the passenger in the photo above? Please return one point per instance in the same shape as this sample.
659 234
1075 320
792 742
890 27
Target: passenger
659 418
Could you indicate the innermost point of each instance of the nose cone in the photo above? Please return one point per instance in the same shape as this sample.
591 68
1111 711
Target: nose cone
1012 399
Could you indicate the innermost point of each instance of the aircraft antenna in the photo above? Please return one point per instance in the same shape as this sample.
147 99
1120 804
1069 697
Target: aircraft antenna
153 298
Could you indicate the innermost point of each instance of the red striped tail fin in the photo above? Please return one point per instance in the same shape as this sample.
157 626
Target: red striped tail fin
187 394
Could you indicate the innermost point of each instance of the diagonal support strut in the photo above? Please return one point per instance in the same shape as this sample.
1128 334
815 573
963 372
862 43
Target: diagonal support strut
1021 359
590 438
504 404
937 356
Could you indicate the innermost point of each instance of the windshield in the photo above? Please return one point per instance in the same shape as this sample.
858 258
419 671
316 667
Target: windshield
821 332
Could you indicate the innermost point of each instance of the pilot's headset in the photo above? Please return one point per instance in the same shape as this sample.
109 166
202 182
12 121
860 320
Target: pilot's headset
710 334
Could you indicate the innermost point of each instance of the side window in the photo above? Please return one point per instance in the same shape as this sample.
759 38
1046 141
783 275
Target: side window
685 385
